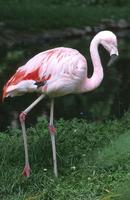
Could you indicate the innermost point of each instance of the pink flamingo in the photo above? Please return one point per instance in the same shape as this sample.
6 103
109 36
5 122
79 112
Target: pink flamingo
57 72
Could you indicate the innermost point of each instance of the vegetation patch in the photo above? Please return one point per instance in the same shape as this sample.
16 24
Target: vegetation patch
42 15
82 175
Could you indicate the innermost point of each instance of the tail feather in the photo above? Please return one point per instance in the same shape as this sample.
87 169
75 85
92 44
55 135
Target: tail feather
20 88
22 82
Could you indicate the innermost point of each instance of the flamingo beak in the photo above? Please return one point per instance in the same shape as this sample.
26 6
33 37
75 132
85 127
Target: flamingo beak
113 58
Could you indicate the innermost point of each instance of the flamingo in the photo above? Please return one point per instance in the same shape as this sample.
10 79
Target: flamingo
58 72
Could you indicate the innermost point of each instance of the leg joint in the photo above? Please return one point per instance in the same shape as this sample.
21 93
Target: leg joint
52 129
22 116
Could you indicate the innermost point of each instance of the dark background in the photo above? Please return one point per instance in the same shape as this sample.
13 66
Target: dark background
29 27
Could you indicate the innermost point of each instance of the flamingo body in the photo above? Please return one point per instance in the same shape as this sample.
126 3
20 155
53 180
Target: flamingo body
62 69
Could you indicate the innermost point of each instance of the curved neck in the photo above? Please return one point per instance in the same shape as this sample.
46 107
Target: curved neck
95 80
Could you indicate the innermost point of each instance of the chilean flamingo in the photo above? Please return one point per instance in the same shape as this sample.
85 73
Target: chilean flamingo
57 72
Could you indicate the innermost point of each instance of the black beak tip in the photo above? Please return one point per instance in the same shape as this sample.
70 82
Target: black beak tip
113 58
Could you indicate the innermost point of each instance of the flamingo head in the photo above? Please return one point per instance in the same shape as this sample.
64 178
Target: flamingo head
109 41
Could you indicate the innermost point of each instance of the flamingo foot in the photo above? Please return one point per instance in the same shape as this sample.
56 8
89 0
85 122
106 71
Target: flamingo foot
22 116
26 171
52 129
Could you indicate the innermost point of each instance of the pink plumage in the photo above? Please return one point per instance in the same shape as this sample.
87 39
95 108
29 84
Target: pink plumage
57 72
53 66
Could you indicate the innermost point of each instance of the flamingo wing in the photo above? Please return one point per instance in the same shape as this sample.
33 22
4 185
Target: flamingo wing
24 78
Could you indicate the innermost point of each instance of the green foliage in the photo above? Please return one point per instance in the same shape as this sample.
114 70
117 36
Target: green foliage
41 15
122 191
117 154
14 55
81 175
71 2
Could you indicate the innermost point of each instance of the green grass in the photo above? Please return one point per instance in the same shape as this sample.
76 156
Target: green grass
41 15
93 161
116 154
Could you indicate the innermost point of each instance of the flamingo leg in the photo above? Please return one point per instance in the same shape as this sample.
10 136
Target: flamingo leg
52 131
22 117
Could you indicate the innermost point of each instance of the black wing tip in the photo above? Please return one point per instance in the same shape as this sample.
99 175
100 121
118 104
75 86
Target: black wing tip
40 83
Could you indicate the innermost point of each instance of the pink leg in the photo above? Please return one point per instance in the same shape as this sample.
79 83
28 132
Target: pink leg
22 117
26 170
52 131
